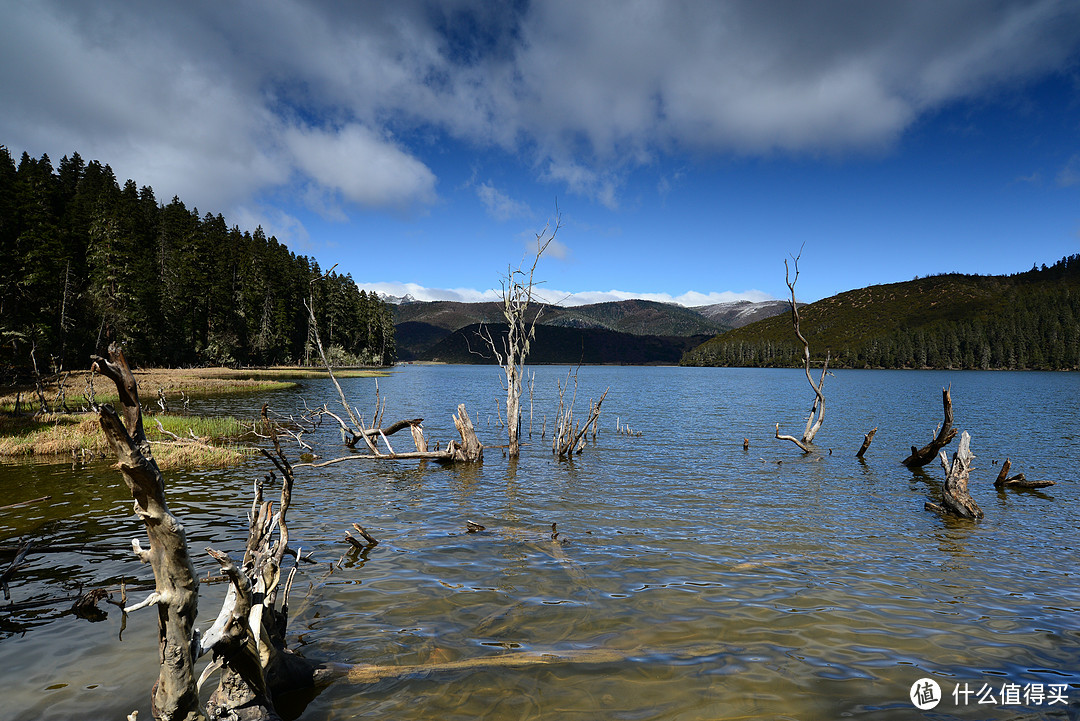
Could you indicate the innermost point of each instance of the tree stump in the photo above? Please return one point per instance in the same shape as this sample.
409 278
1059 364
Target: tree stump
955 497
921 456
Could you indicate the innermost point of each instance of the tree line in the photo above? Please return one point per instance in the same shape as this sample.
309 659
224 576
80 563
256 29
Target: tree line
85 261
1033 325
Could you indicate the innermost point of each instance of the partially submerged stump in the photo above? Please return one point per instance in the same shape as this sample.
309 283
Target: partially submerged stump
176 594
921 456
955 497
248 639
867 440
1018 481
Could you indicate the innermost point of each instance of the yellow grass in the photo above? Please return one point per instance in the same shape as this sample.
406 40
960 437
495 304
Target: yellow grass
194 382
79 435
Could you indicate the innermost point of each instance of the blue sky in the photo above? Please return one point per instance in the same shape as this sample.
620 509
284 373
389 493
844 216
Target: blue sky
690 147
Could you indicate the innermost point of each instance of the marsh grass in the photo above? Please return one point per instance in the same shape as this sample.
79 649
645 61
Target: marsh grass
192 382
79 435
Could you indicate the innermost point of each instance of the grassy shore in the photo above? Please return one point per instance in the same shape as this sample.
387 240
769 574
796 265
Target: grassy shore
70 389
77 434
194 441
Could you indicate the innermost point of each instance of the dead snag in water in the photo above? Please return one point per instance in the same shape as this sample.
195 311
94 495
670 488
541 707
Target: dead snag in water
817 409
921 456
805 448
248 638
369 540
867 440
955 497
568 438
1018 481
469 450
517 295
176 593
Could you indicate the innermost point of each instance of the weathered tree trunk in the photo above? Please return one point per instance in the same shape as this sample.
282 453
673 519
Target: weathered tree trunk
1017 481
174 696
517 296
955 497
468 450
921 456
867 440
817 409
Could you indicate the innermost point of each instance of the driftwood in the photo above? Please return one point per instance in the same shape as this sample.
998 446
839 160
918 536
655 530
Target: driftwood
1018 481
921 456
369 540
20 504
247 639
469 449
176 596
867 440
817 409
955 497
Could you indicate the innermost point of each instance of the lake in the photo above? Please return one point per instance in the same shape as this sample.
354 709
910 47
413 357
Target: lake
731 584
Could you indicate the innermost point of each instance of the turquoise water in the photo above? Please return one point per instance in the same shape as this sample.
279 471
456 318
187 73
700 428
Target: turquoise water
727 583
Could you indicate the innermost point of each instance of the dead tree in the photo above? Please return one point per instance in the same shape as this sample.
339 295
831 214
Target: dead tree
176 594
955 497
469 449
568 438
921 456
247 640
513 350
1004 480
817 410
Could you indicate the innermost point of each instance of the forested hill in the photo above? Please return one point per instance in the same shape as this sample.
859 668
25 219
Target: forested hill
1024 321
84 261
423 325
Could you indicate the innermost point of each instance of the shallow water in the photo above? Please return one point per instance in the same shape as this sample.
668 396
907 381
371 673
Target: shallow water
733 584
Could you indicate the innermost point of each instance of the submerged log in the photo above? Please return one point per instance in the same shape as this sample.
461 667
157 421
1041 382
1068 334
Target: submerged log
1017 481
921 456
955 497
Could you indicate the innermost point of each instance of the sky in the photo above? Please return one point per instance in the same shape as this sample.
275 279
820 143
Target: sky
686 148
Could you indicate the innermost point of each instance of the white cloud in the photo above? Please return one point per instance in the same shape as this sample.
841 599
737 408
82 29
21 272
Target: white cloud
364 167
219 102
274 222
560 297
501 206
579 179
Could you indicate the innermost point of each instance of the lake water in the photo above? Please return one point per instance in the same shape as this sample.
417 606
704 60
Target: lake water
733 584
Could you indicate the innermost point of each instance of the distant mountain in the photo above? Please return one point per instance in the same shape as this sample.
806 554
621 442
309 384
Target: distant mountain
737 313
397 299
420 326
1025 320
560 344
